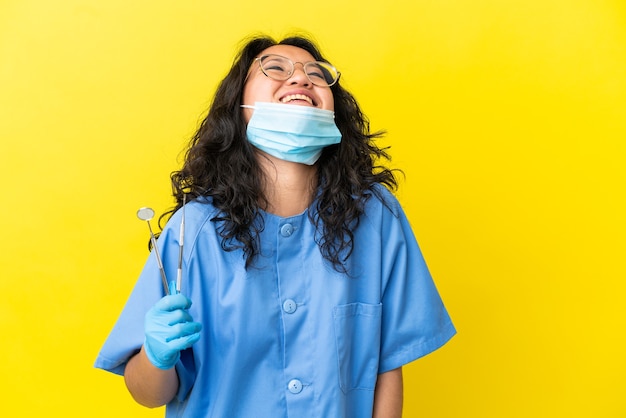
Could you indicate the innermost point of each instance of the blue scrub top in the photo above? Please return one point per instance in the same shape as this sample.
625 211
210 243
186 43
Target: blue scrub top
290 336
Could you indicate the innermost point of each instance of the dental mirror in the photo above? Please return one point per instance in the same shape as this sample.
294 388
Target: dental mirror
146 214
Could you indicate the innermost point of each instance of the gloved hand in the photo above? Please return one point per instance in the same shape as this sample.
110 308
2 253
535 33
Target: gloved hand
169 329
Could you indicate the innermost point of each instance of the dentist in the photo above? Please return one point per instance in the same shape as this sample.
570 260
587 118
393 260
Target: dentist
304 291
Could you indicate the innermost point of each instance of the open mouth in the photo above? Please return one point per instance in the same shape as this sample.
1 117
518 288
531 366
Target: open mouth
295 98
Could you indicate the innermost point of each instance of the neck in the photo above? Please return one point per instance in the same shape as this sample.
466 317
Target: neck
289 187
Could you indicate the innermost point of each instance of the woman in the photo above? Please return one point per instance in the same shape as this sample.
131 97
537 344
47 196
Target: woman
309 290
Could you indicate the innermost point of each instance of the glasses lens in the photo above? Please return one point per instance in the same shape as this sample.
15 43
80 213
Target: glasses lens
276 67
321 73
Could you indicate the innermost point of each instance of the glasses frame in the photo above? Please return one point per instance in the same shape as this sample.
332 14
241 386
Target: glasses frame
293 69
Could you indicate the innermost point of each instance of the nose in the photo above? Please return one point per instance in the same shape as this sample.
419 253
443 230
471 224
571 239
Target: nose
299 76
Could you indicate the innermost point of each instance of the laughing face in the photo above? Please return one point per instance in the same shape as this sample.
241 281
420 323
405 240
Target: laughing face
296 90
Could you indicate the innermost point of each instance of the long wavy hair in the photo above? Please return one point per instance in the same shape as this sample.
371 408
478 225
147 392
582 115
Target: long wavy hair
220 164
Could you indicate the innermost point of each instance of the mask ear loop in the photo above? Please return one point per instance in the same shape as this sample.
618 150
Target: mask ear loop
244 106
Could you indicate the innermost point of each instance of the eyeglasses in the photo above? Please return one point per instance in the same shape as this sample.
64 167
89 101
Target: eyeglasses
281 68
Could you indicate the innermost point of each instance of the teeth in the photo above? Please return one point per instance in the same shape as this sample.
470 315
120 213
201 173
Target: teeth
291 97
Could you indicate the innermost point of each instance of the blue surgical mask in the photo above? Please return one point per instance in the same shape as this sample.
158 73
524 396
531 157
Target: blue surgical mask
290 132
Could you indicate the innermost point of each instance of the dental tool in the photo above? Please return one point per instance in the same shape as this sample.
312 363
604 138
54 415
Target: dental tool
146 214
179 273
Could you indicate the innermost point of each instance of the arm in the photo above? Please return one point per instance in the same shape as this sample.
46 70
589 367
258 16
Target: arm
388 395
149 385
150 375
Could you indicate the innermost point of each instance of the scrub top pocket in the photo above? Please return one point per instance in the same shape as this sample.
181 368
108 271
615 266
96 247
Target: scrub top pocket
357 337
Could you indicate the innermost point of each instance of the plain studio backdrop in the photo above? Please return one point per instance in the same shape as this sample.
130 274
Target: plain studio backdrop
507 116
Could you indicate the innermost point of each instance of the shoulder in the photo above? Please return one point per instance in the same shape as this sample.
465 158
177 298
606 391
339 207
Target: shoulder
384 216
197 216
382 202
199 210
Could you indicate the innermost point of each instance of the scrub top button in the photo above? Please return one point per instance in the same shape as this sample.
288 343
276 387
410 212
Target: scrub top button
295 386
286 230
290 306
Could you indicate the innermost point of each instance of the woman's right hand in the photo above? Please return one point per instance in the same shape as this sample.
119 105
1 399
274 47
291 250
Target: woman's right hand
169 329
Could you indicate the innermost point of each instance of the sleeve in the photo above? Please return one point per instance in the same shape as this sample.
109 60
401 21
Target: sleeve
127 335
415 321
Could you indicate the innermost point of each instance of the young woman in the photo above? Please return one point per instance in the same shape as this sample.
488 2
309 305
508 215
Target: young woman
304 290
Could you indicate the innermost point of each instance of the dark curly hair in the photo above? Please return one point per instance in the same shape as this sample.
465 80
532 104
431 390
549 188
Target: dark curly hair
220 163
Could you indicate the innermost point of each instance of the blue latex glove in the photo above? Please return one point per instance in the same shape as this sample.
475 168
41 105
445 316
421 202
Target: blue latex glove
169 329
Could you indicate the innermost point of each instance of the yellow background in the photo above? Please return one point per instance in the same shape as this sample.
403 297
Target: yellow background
507 116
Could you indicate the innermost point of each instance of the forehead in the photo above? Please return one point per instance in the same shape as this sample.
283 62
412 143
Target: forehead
292 52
